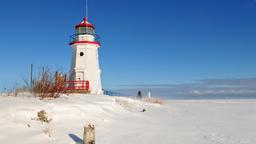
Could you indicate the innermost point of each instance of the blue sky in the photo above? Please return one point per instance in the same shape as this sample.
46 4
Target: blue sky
143 41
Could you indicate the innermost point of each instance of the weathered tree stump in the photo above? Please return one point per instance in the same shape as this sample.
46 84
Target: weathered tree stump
89 134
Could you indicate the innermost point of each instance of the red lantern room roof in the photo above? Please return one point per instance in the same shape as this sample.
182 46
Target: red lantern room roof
85 23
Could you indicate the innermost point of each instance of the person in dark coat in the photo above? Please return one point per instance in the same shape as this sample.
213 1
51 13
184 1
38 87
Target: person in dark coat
139 94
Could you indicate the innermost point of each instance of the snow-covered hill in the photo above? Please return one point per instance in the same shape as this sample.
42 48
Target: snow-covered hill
119 120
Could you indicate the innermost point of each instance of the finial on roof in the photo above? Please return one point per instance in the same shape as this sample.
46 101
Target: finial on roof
85 20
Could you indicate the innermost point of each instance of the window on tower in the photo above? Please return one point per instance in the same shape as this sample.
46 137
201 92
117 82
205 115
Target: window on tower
89 30
85 30
81 30
81 54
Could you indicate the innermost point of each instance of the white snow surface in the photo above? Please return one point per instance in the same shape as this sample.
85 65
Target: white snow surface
119 120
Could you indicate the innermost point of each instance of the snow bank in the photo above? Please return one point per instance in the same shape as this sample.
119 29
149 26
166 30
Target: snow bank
119 120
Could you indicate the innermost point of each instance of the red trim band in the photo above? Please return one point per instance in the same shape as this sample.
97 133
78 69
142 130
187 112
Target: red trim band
85 25
81 42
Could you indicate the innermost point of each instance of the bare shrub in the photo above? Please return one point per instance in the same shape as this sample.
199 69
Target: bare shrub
49 84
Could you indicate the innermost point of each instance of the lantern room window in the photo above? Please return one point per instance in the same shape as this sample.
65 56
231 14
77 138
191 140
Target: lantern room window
85 30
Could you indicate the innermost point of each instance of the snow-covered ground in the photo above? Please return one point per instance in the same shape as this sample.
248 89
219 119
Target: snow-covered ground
119 120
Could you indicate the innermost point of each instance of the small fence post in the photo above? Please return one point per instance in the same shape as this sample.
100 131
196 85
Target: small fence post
89 134
31 76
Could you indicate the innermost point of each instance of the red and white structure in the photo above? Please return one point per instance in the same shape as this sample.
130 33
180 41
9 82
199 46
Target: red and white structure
85 62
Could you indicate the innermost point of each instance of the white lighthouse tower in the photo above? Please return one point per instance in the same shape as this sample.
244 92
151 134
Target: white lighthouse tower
85 62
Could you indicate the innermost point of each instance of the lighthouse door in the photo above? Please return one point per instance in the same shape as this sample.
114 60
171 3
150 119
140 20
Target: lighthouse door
80 76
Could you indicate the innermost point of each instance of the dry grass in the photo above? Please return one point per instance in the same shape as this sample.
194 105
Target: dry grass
20 90
42 116
126 103
154 101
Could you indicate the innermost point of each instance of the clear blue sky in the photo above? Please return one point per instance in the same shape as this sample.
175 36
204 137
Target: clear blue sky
143 41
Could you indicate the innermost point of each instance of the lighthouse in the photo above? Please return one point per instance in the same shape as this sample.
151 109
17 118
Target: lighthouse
85 61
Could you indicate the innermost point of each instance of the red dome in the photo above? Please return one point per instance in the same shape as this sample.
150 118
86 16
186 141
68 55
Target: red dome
85 23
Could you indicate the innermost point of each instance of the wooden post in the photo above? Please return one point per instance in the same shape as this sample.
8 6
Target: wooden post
89 134
31 76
